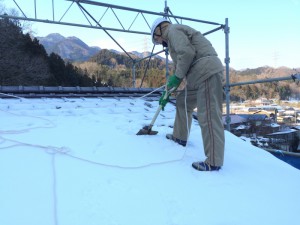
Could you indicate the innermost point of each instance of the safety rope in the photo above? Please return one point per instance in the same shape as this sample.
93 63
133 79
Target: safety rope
12 96
186 114
53 150
152 91
52 125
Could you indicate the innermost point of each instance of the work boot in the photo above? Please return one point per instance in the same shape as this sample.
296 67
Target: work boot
178 141
203 166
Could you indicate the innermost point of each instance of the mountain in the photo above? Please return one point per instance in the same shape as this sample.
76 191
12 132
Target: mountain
73 49
116 60
69 48
145 54
267 71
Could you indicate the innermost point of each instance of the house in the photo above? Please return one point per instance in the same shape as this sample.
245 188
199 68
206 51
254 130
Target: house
287 140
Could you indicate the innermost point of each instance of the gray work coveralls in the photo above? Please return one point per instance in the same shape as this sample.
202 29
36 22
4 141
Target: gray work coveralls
196 60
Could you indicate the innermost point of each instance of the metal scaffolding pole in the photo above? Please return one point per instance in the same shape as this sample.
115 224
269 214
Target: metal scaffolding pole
227 87
95 24
293 77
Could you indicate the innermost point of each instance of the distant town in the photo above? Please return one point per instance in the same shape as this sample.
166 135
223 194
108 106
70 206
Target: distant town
269 124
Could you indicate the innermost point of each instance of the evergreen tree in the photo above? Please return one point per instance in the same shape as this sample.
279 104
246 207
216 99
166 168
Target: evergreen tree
24 61
20 61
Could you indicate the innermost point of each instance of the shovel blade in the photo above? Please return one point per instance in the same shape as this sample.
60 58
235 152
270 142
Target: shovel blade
146 131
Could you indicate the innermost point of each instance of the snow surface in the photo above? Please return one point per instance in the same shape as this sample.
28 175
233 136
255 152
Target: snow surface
80 162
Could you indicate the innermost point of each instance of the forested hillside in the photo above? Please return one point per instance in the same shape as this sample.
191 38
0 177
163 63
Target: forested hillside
24 61
282 90
116 69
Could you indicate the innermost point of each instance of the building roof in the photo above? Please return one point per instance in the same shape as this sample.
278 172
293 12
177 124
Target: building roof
254 117
289 131
234 119
79 161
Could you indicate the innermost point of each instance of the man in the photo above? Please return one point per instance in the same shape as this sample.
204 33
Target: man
196 61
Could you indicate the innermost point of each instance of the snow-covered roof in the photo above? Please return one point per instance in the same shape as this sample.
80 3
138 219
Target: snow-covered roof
78 161
242 127
275 125
253 117
296 127
288 131
234 119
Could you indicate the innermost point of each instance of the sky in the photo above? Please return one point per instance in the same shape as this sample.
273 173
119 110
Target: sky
261 32
78 161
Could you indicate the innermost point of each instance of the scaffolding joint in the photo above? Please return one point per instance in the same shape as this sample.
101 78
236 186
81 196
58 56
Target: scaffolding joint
227 60
296 77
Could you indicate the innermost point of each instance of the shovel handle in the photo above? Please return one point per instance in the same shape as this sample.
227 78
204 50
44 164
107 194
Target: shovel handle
155 117
159 109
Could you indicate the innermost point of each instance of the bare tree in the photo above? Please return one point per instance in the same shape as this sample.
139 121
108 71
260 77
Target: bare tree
2 7
24 24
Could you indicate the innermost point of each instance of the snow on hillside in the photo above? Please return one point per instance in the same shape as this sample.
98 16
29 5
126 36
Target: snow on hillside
79 162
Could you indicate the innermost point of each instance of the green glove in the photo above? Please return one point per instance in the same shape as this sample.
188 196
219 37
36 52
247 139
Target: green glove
163 101
173 82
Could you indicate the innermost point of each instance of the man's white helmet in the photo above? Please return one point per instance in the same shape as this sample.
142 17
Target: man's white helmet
155 24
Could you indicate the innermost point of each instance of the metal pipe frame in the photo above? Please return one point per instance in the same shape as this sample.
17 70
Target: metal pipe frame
167 13
227 89
293 77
